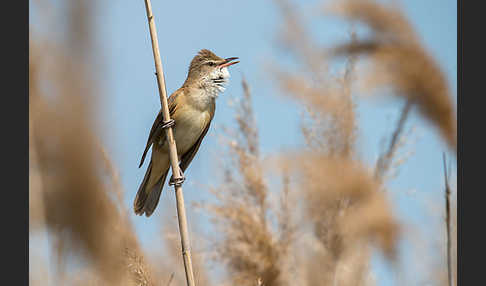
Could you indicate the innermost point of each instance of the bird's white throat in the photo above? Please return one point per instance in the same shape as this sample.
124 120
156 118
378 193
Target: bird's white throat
210 87
216 82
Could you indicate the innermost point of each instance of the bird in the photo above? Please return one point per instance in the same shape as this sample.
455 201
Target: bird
192 108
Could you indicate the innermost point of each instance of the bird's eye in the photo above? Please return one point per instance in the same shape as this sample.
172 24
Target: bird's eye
211 64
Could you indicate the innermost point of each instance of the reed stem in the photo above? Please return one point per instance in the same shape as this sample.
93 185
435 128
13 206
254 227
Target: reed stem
174 161
448 221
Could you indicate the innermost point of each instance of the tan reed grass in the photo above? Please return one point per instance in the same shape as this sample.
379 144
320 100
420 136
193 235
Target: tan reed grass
249 247
398 60
72 178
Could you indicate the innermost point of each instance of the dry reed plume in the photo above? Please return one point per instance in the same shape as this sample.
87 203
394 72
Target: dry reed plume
398 60
248 246
267 241
340 194
75 194
340 198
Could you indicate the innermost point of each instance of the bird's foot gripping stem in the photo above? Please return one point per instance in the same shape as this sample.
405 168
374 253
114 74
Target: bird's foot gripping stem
167 124
177 182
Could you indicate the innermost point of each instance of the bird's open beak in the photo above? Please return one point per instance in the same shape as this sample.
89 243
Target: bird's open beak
228 62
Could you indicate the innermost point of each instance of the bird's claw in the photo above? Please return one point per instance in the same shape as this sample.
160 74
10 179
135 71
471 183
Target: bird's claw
178 181
167 124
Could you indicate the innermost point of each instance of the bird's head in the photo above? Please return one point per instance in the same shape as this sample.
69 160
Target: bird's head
209 71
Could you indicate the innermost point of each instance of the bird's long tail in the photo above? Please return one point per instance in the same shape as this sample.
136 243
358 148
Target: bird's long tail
147 199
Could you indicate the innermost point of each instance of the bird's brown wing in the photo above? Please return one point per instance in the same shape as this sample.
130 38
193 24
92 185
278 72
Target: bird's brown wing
156 131
189 155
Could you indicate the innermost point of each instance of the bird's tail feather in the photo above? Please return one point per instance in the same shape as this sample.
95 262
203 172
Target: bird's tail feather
146 200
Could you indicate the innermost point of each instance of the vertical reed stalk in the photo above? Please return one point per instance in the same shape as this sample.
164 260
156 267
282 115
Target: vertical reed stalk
448 221
174 162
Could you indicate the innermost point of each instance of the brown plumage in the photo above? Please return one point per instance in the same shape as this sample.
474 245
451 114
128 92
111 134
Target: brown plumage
192 107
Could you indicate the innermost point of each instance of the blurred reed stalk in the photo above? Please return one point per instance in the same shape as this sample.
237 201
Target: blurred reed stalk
383 163
448 221
181 211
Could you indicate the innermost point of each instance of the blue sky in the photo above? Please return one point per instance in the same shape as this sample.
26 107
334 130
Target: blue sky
248 29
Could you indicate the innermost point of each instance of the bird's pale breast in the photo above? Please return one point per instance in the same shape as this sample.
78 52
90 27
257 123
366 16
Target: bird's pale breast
190 123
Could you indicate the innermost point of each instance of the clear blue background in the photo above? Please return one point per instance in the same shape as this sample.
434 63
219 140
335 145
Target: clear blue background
248 29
